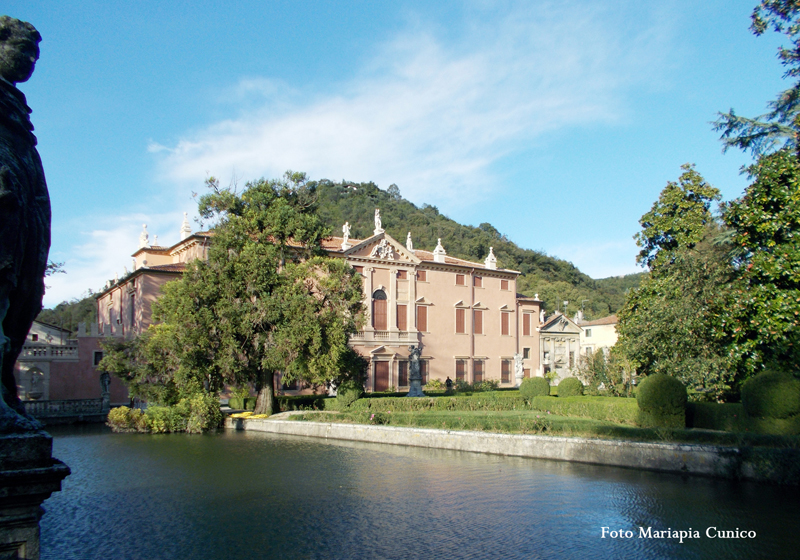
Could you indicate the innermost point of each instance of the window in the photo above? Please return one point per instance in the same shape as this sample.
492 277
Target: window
526 353
461 280
292 385
402 275
503 284
98 355
133 312
589 351
34 338
477 371
402 374
572 359
422 275
402 317
588 333
359 270
461 370
422 318
379 310
505 319
477 282
460 321
526 324
381 376
505 371
477 320
423 370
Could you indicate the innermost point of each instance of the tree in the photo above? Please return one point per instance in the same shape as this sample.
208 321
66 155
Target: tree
678 219
766 226
780 126
264 302
675 322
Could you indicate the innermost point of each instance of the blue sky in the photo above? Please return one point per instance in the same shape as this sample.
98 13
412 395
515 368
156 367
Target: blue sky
557 122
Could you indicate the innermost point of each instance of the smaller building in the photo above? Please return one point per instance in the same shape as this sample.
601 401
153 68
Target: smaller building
598 335
560 344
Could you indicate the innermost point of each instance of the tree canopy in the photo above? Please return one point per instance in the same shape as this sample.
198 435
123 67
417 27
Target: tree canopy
264 302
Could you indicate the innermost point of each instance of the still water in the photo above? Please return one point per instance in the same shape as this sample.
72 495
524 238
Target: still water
251 495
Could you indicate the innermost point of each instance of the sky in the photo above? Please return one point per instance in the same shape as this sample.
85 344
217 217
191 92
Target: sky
557 122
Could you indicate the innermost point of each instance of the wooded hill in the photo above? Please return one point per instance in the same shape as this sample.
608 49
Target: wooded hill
555 280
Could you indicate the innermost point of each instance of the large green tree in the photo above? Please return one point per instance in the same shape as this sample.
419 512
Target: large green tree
780 125
676 321
265 301
766 226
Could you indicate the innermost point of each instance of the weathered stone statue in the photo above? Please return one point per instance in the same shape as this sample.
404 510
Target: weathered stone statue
518 369
24 213
414 372
28 471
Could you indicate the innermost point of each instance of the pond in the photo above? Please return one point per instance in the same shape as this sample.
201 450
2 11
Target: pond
257 495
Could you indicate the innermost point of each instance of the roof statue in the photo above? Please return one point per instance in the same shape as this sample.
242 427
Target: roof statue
186 230
346 236
491 260
409 243
24 214
378 228
155 241
144 237
439 252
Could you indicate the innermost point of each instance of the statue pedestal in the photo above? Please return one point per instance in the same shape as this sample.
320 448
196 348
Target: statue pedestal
415 388
28 475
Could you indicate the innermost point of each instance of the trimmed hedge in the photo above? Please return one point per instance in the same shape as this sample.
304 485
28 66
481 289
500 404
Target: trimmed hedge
534 387
772 394
239 403
481 401
610 409
348 392
662 402
570 387
728 417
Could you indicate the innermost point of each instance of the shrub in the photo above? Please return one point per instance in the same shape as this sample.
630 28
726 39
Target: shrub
433 385
202 413
570 387
662 402
534 387
772 394
661 394
124 419
608 409
348 392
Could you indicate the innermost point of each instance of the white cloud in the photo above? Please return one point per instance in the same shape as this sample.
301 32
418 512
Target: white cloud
104 252
429 116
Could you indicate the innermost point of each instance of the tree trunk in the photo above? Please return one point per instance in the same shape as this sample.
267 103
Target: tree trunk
266 391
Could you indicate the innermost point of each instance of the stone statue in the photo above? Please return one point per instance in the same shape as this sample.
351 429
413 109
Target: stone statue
346 232
541 317
414 372
24 214
144 237
518 371
377 219
409 244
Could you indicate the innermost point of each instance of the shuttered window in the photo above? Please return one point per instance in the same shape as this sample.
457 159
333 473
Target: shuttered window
422 275
478 282
460 321
505 371
423 369
460 280
402 374
381 376
461 370
477 371
379 310
402 316
422 318
526 324
504 322
503 284
477 317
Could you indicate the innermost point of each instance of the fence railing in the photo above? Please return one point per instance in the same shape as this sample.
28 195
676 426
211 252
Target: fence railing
76 407
49 351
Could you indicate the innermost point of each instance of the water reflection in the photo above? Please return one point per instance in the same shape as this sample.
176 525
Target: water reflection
264 496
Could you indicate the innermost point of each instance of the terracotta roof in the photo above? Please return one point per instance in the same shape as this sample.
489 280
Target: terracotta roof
428 257
173 267
610 320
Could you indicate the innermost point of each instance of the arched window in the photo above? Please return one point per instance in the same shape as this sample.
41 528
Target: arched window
379 320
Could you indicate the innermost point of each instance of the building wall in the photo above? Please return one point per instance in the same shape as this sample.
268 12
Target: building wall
602 337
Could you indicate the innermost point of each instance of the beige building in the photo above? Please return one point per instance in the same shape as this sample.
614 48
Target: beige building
467 316
560 343
598 335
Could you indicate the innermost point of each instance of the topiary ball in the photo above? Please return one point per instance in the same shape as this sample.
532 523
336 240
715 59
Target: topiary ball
570 387
661 394
534 387
772 394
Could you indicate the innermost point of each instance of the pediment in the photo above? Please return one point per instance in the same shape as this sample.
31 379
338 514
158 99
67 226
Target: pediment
561 324
382 248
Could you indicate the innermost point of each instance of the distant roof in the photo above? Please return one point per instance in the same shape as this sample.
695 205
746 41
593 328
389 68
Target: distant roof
172 267
610 320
